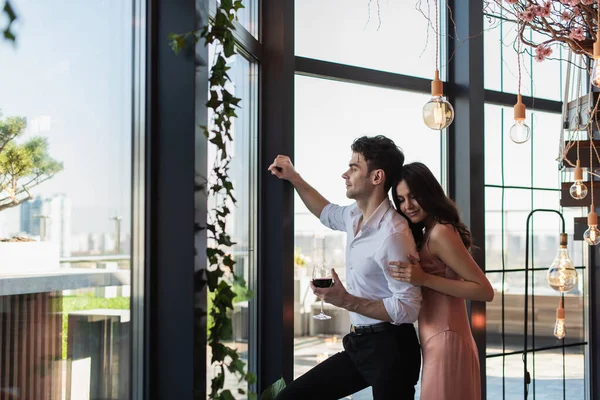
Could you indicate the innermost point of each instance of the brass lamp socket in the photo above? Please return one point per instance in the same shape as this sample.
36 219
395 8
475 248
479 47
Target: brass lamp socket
564 239
578 174
519 109
560 313
437 86
592 218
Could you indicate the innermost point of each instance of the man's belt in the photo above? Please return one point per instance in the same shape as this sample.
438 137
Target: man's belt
363 329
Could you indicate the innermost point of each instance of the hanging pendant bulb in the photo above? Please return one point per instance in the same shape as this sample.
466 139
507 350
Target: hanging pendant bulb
592 234
596 68
562 275
560 331
438 113
578 189
520 132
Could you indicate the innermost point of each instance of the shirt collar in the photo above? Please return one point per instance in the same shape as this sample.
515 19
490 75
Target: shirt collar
376 217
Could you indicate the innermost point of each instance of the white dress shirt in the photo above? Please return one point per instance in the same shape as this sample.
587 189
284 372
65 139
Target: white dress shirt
384 237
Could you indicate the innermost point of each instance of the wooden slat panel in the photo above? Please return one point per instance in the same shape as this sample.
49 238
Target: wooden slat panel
567 201
584 154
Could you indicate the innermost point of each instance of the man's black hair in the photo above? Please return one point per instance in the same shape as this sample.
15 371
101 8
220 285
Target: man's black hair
380 152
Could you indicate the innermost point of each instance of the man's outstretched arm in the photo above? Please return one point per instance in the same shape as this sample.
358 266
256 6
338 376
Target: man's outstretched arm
283 168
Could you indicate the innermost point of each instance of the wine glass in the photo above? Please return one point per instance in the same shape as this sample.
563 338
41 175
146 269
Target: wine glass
321 278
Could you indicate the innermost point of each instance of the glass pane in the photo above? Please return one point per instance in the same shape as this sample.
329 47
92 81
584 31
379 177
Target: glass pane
501 64
546 129
575 386
248 16
504 377
495 241
65 283
536 164
495 126
334 128
368 34
241 222
501 166
558 378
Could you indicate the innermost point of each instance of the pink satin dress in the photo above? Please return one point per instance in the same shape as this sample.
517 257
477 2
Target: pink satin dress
450 360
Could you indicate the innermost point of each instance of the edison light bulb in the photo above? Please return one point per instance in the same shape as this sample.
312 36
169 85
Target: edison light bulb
578 190
560 331
592 234
562 275
438 113
520 132
596 73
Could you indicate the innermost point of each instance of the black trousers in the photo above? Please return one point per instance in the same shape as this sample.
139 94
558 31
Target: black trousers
388 361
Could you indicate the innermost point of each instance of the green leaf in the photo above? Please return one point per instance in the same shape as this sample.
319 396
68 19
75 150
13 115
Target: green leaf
226 395
218 381
237 5
251 378
237 366
212 277
272 391
12 16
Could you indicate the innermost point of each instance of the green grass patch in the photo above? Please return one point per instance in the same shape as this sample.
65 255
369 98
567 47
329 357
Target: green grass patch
87 302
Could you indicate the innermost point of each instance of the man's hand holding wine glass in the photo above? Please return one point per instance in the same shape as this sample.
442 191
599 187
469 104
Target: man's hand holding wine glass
336 294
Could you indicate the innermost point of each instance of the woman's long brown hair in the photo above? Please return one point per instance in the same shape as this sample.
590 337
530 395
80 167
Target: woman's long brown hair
431 197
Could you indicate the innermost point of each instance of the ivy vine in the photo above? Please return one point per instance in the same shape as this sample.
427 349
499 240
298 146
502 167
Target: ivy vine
12 16
220 274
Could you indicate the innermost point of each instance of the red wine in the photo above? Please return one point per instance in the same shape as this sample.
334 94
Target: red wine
323 282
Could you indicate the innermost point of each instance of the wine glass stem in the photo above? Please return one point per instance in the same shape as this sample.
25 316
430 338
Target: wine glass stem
321 306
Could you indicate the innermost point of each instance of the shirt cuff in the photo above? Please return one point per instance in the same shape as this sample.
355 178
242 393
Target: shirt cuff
324 217
399 312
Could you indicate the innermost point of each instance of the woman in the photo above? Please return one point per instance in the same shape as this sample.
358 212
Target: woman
447 274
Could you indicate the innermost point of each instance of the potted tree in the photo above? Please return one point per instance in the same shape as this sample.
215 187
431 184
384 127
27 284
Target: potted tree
23 166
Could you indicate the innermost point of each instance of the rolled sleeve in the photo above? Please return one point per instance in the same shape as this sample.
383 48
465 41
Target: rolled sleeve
334 216
404 304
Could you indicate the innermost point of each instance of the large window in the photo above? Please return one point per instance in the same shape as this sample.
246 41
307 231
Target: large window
65 274
241 223
325 134
376 35
520 178
538 79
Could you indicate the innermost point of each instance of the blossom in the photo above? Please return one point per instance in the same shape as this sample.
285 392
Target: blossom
527 16
565 16
539 57
588 2
543 50
512 1
577 33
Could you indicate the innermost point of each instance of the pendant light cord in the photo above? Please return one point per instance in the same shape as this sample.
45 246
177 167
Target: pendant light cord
437 35
519 62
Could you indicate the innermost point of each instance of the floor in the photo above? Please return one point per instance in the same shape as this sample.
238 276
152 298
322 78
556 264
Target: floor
548 372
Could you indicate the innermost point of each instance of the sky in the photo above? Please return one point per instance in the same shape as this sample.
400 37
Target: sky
70 75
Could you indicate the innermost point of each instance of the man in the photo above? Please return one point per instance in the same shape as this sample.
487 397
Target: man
381 349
